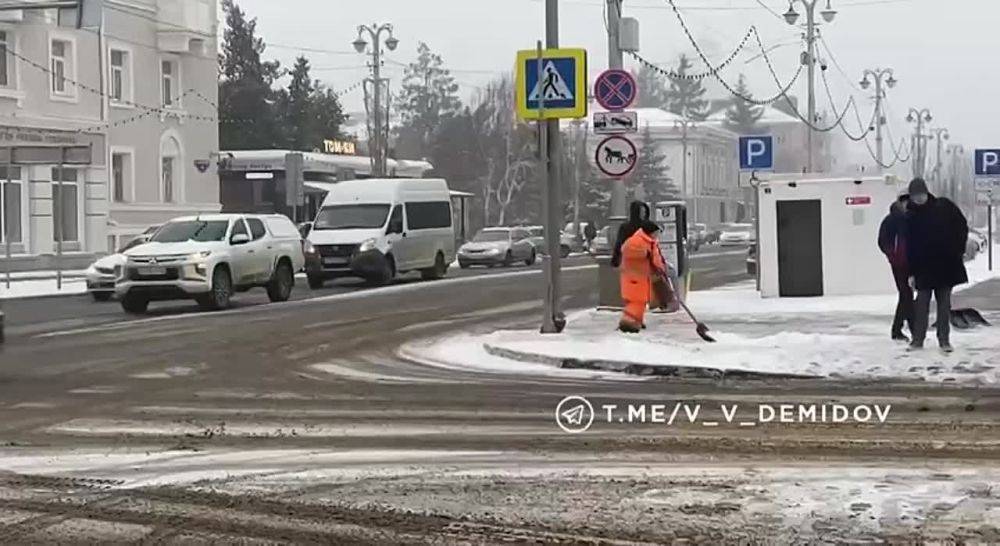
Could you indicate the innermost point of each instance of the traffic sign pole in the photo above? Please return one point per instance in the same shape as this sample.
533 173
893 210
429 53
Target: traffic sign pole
989 233
553 322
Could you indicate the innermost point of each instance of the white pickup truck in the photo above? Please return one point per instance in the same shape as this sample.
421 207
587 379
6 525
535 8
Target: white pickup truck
210 257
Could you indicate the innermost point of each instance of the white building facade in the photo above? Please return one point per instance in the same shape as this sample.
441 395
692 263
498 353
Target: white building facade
136 81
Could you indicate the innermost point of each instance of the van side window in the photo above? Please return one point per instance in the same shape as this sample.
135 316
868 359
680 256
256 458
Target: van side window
430 215
396 218
257 230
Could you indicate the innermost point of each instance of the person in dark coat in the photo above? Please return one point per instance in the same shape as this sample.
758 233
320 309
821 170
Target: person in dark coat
638 217
892 242
936 235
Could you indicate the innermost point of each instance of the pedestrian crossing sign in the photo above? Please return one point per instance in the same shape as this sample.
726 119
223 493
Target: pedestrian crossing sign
561 89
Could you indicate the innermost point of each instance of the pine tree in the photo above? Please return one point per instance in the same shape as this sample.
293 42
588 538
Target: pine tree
652 88
651 173
309 112
686 97
429 94
742 116
247 117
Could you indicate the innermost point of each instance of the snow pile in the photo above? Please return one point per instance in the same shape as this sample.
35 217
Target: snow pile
843 337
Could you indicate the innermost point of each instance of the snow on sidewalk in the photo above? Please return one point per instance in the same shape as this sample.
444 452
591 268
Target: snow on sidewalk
832 337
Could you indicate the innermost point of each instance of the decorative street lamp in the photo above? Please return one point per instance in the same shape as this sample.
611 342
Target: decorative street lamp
809 57
378 136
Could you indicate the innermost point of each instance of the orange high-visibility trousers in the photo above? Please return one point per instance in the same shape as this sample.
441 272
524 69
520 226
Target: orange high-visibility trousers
641 262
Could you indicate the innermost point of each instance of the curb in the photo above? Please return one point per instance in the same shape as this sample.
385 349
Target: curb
633 368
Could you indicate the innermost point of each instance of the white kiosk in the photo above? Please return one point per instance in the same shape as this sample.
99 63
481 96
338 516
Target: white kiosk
819 236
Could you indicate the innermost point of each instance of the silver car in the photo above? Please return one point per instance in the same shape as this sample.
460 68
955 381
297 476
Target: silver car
101 275
498 246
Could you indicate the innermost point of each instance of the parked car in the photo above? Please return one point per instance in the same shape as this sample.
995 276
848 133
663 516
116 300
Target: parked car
979 235
102 274
209 258
569 239
602 243
537 238
752 260
737 235
361 231
498 246
699 234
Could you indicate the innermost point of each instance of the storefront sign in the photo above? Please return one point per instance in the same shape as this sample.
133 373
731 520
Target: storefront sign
340 147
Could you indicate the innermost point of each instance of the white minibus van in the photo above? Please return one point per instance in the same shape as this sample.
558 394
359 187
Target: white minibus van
378 228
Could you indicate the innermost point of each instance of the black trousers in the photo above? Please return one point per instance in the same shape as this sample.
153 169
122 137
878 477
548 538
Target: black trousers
922 314
904 306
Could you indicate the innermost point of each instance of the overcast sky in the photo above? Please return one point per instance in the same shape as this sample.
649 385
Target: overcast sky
944 52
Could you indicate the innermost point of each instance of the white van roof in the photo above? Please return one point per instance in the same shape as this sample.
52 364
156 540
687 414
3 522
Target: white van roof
370 190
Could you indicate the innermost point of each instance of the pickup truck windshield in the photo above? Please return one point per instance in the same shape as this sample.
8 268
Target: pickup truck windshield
351 217
201 231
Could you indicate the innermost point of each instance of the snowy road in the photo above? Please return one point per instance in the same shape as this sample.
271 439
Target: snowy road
299 422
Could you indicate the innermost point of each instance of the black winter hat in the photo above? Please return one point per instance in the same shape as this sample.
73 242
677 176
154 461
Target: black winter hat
917 187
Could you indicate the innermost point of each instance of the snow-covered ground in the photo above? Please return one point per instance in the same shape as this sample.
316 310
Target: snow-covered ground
24 288
845 337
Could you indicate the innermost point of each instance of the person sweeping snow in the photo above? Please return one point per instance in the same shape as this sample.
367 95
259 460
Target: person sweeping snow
642 264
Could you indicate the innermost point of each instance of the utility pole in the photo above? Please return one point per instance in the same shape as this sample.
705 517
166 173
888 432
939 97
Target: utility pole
378 139
619 207
940 134
553 322
920 149
809 58
684 125
877 74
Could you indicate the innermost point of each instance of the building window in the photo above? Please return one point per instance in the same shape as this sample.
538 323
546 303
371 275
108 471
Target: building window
170 78
121 76
10 205
5 75
121 176
171 175
65 205
61 67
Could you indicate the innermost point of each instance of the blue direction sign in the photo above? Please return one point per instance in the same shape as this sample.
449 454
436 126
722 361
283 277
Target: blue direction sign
561 88
988 162
615 89
756 153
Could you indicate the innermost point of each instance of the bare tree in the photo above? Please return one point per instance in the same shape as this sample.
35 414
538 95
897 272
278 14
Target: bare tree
506 147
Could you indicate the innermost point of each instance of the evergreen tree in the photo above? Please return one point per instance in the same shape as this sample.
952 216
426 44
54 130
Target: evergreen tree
651 173
247 117
742 116
429 94
309 112
686 97
652 89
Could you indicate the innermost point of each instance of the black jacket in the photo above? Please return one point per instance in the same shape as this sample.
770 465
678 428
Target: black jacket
937 233
638 217
892 235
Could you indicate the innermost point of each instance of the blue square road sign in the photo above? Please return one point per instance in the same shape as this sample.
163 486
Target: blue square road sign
756 153
988 162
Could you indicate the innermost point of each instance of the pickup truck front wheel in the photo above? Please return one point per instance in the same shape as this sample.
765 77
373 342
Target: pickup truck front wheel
135 304
222 291
280 286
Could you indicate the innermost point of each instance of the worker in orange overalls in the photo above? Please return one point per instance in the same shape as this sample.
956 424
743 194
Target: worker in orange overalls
641 264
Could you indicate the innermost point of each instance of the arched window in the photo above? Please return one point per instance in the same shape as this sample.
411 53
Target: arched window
171 169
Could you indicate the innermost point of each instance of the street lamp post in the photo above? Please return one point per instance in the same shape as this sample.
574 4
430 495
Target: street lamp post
954 184
809 58
878 74
940 134
377 143
920 157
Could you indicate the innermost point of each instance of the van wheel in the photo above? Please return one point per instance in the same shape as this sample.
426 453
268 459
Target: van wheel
387 275
439 270
531 259
316 281
134 304
222 291
280 286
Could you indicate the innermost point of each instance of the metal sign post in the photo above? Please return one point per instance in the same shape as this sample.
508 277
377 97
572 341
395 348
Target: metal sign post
58 217
6 220
989 234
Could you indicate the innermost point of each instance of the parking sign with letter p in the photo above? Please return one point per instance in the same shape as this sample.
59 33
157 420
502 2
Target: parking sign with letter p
987 162
756 153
